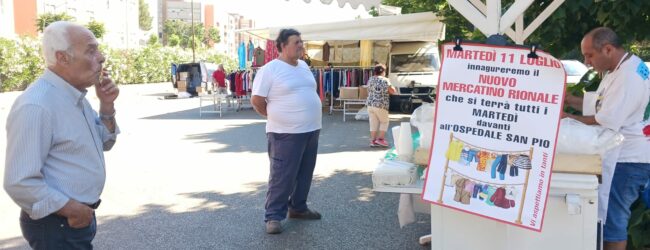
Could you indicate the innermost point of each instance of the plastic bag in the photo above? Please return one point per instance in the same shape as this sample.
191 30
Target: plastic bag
362 114
576 137
422 118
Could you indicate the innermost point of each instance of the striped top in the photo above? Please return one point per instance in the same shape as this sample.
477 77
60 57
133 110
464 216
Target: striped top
55 144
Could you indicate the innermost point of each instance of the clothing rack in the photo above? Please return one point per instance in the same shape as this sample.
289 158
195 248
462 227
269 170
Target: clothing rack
241 92
525 183
331 71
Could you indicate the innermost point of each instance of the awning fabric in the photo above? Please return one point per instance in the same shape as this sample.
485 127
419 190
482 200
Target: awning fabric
425 26
354 3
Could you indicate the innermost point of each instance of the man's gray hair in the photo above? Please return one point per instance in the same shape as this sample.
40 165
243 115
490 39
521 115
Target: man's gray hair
56 38
602 36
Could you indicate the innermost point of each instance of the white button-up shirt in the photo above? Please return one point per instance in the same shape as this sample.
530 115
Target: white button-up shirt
55 144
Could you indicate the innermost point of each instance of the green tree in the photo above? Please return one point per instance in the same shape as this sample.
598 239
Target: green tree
46 19
97 28
153 40
561 33
373 11
184 32
173 40
211 35
144 16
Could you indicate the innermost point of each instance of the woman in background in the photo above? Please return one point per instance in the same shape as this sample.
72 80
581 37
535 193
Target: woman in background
379 89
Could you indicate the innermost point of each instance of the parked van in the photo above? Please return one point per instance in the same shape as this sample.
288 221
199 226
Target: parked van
413 69
414 64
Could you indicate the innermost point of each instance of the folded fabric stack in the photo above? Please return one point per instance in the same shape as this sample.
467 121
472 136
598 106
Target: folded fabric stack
394 173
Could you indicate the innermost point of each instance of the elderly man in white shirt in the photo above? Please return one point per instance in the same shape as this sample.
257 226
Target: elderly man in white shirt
55 168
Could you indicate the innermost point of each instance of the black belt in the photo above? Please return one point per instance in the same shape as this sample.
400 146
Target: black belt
95 205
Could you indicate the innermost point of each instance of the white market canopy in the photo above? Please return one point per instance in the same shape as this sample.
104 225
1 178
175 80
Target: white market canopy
425 26
485 15
354 3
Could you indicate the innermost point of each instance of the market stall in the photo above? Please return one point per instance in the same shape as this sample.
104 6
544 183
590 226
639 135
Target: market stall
572 197
490 164
353 47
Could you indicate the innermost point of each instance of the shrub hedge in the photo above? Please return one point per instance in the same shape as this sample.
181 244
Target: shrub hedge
21 62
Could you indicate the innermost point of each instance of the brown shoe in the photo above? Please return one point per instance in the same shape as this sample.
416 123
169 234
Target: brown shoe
306 215
273 227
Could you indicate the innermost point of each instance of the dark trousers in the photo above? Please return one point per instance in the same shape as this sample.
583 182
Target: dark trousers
53 232
293 158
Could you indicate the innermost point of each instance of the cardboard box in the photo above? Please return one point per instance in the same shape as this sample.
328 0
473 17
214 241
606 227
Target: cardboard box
181 86
349 93
199 90
182 75
363 92
421 156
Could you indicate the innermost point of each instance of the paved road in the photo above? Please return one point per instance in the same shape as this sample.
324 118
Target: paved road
177 181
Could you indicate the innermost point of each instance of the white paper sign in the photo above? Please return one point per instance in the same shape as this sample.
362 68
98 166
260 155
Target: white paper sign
497 119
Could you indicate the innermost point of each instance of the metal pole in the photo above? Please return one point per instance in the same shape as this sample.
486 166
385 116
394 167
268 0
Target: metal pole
192 14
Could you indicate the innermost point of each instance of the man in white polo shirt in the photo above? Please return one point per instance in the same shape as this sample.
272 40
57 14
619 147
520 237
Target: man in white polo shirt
284 91
623 97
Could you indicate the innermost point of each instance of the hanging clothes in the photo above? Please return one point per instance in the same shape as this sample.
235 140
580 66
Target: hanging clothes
242 55
489 192
495 166
250 51
503 165
454 150
271 51
499 199
258 57
462 195
326 52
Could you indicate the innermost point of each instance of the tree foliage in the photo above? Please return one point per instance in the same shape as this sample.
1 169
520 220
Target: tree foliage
211 35
174 40
153 40
183 31
22 63
561 33
97 28
144 16
46 19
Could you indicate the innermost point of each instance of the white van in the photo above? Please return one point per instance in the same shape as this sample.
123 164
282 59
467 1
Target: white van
413 69
414 64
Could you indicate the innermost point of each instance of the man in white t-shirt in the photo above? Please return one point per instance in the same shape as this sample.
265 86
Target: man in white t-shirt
284 91
623 96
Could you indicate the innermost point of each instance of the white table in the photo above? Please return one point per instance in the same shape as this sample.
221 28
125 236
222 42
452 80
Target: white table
574 181
347 102
216 102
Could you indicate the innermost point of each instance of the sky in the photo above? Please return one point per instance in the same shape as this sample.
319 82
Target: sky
275 13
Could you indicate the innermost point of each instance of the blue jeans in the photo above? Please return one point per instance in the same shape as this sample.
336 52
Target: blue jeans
627 184
293 159
53 232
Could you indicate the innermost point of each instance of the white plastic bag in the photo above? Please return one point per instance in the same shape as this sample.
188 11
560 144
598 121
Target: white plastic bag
362 114
422 118
576 137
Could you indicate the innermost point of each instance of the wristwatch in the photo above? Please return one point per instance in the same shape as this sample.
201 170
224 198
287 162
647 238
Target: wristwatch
107 117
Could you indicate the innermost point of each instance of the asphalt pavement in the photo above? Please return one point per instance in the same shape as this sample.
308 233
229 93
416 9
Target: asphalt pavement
179 181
